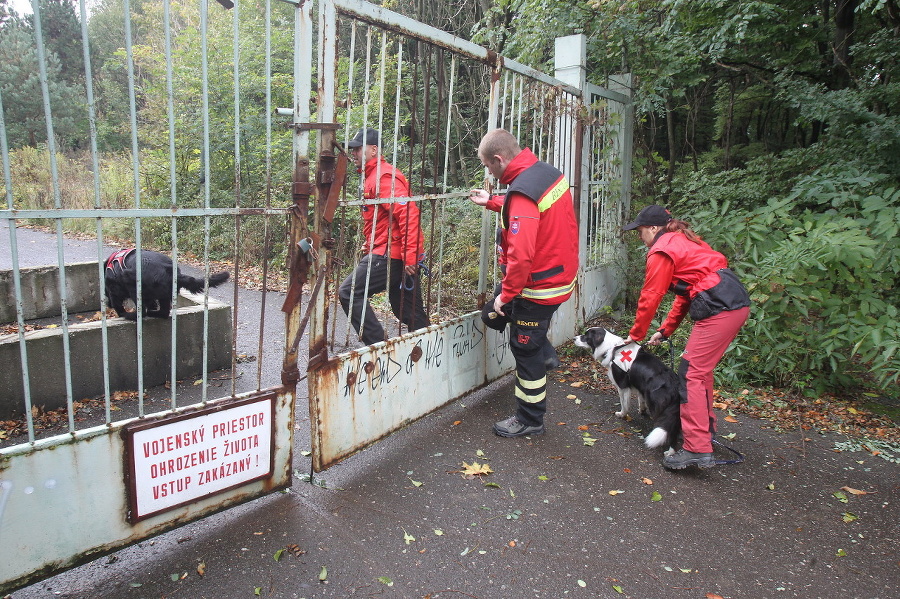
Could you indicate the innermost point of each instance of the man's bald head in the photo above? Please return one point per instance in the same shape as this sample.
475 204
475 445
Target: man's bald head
497 149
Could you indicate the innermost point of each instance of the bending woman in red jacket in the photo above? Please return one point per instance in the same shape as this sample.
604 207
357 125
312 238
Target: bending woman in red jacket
707 290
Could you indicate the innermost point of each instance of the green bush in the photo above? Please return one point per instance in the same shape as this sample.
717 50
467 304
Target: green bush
822 264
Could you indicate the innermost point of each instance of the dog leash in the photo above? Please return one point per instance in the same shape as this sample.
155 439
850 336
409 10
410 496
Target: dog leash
738 460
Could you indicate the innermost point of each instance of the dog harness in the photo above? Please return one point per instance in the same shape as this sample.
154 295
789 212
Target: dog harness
118 258
623 356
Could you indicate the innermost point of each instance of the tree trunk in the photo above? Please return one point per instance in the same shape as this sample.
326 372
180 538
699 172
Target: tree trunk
844 15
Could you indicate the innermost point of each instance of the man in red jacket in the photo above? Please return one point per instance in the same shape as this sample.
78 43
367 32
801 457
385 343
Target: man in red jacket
390 229
538 254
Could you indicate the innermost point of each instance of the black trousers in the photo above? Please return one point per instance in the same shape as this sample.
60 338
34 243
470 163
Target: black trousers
528 325
404 294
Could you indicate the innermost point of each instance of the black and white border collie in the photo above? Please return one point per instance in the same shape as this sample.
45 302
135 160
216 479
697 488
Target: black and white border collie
156 284
633 370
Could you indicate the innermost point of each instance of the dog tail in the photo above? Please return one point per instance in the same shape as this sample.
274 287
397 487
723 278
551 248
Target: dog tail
195 285
666 425
656 438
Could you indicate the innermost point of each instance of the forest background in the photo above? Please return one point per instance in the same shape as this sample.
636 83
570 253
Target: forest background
772 127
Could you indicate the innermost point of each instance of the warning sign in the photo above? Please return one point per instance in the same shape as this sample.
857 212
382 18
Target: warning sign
175 460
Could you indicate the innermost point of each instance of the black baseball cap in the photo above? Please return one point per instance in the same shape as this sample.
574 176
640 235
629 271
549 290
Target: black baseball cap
649 217
371 138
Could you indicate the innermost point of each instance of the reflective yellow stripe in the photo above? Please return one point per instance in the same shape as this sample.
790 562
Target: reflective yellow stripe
530 398
552 292
526 384
553 194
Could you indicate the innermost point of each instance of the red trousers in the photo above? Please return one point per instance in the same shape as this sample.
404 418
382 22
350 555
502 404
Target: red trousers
706 345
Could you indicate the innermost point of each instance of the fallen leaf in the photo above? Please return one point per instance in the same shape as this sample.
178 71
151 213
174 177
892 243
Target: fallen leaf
438 532
713 596
646 481
854 491
655 496
771 486
626 470
416 483
849 516
582 583
323 574
386 580
616 492
278 555
618 589
492 485
201 568
589 441
570 396
583 427
457 422
512 543
475 469
840 497
479 453
408 538
686 570
841 553
295 549
576 384
730 419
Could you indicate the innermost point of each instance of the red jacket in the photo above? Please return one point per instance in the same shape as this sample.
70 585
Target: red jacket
675 262
539 236
400 218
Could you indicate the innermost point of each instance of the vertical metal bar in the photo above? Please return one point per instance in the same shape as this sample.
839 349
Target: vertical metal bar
173 192
394 184
381 85
17 284
486 219
267 236
366 101
95 164
444 186
135 157
303 61
57 202
235 309
207 185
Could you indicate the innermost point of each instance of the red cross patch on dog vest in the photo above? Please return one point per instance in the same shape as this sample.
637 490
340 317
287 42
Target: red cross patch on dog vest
624 356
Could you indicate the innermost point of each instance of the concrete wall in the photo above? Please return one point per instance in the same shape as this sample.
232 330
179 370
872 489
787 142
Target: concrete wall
46 357
40 291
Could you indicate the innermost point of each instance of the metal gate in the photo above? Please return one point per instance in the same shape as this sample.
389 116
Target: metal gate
118 428
431 97
195 413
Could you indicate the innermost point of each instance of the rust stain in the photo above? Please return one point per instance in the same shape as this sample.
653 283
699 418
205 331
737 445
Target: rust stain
416 353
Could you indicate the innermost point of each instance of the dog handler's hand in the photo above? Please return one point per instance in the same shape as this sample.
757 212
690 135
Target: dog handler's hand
498 306
657 338
411 269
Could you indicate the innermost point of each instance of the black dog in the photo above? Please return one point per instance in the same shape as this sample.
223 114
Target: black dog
156 283
631 369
